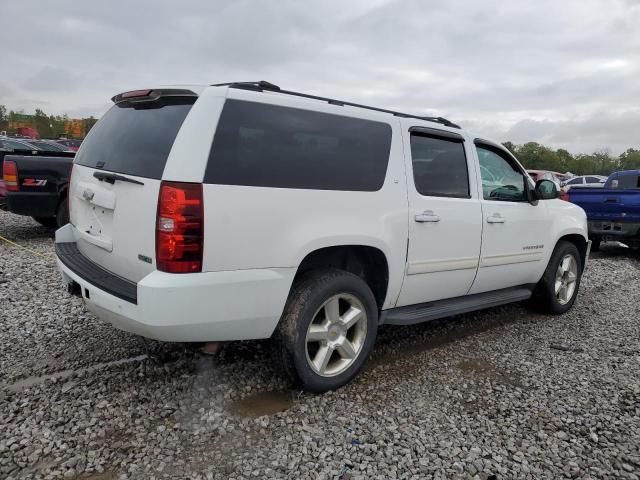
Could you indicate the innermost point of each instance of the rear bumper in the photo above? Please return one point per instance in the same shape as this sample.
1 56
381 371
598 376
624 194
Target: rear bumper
614 228
209 306
33 204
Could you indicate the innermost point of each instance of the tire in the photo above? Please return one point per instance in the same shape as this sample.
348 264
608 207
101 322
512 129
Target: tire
302 357
595 244
49 222
545 297
62 215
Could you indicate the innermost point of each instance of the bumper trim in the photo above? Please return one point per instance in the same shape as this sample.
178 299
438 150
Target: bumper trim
97 276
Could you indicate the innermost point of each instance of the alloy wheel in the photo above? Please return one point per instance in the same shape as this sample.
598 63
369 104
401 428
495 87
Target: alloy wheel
566 278
336 335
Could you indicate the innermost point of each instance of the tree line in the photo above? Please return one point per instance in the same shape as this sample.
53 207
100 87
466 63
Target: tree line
532 155
48 126
538 157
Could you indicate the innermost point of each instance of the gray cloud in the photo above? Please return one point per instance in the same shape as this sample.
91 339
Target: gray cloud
562 73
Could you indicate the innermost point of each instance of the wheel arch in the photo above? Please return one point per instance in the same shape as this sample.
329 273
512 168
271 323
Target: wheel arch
579 241
368 262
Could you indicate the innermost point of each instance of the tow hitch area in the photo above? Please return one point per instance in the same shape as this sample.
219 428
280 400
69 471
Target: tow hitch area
74 288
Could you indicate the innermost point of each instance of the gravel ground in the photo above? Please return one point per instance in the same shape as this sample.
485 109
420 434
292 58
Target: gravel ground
503 393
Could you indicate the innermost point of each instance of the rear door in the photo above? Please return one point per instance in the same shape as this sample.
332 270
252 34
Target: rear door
444 216
116 179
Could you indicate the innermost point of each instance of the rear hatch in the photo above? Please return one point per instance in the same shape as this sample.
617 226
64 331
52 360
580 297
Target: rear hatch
116 179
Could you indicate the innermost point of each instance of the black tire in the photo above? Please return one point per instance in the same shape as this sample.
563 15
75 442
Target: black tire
49 222
595 244
306 298
62 215
544 296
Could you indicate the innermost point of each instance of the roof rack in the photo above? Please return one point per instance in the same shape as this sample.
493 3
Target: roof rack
262 85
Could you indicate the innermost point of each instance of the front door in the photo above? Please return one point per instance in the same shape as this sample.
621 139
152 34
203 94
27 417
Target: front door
445 220
513 234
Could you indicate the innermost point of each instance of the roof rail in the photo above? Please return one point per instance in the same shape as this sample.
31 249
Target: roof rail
263 85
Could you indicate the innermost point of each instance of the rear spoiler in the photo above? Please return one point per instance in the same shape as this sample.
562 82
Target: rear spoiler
151 95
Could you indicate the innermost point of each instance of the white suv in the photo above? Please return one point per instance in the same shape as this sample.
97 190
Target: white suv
243 211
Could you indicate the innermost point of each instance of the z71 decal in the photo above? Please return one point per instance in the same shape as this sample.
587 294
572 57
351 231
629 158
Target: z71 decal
33 182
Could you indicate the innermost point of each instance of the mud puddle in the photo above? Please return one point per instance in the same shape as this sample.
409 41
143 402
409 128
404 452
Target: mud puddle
263 403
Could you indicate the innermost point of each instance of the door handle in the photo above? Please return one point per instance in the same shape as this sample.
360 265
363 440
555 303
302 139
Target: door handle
427 216
495 218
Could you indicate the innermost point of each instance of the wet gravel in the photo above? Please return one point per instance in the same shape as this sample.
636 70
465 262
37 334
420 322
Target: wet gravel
504 393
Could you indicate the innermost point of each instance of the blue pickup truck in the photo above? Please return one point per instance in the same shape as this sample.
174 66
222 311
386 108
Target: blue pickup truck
613 211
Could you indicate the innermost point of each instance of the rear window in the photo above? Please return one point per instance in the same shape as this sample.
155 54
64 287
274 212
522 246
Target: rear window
272 146
135 140
628 181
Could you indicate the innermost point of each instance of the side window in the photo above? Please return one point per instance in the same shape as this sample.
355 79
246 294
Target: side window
439 167
505 182
262 145
575 181
593 180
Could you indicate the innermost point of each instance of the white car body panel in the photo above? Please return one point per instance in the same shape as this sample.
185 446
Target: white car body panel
255 238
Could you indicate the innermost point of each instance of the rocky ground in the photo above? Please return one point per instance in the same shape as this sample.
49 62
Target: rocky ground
504 393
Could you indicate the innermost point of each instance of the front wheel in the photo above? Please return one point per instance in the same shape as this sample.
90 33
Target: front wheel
557 289
328 329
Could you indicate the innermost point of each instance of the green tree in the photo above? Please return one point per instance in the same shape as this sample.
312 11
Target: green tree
510 146
4 118
630 160
41 123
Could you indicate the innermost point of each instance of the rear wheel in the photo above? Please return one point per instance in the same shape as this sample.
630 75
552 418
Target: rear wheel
595 244
328 329
49 222
62 215
557 290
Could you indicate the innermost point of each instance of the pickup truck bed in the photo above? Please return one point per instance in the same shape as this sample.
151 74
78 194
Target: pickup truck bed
42 185
612 213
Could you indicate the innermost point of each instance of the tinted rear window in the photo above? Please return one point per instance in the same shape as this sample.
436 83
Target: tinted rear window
629 181
135 140
272 146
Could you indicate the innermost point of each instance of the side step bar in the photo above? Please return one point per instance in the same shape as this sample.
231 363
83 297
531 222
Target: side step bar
424 312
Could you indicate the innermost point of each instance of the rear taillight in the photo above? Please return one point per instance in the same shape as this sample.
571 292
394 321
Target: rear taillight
10 175
180 227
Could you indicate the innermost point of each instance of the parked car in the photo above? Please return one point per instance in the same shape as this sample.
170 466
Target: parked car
538 175
70 143
9 145
613 211
49 146
3 195
585 180
306 219
36 185
563 177
16 144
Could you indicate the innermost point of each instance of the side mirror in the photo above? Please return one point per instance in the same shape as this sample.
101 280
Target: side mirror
547 190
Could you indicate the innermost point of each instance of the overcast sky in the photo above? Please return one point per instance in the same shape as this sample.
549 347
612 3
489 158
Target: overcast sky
564 73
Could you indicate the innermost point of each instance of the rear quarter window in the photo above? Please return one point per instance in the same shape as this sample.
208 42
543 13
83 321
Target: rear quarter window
265 145
628 181
135 140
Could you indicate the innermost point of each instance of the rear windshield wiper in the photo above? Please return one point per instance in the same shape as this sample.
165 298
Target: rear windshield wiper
112 177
